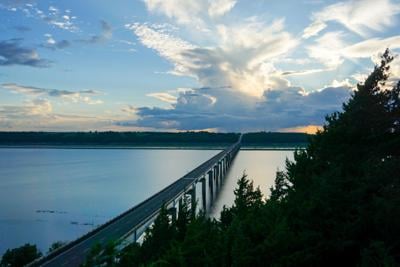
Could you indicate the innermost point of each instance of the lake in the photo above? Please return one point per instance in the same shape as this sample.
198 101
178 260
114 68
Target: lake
50 195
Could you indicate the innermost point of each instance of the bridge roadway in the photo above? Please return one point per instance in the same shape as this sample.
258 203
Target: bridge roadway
74 253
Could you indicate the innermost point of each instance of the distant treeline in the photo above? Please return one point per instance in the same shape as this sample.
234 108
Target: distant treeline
148 138
275 139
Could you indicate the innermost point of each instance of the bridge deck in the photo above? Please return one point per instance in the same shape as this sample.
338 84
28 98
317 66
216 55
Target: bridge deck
74 253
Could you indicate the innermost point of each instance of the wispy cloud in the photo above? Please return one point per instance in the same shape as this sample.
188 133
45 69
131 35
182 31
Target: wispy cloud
328 49
304 72
220 7
9 4
165 97
359 16
192 13
331 50
12 53
73 96
313 29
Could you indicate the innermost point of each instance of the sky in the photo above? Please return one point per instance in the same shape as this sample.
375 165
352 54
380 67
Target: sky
178 65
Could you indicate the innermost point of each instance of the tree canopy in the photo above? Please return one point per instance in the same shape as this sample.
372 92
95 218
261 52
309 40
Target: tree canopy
336 204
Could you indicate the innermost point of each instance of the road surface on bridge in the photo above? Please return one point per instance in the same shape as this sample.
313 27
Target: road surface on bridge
76 252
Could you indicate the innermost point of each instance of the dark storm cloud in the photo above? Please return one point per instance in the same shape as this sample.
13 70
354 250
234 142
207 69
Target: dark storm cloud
228 110
12 53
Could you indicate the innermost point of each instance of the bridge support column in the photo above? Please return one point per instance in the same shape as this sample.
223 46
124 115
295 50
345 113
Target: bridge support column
192 193
173 213
180 203
203 193
135 235
224 166
211 185
221 173
216 179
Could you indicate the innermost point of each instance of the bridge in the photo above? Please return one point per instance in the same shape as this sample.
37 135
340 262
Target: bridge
129 226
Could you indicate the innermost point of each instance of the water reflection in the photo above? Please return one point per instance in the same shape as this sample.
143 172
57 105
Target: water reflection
59 194
49 195
259 165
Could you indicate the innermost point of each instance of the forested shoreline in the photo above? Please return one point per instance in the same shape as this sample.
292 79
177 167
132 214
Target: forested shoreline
151 139
336 204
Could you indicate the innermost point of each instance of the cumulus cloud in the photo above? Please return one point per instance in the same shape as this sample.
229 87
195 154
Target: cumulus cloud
12 53
227 110
105 34
73 96
359 16
33 107
241 88
38 115
235 65
241 58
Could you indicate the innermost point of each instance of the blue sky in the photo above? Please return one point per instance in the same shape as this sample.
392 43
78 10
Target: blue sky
171 65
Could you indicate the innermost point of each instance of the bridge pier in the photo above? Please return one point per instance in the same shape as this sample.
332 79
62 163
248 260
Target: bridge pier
221 176
143 215
180 204
223 166
216 179
211 186
173 212
192 193
203 193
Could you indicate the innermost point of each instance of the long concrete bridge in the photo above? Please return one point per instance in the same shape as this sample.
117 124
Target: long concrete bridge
128 227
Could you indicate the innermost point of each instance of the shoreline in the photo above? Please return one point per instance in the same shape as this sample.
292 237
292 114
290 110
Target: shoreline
202 147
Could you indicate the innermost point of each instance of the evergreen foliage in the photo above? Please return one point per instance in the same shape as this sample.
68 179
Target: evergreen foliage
336 204
19 257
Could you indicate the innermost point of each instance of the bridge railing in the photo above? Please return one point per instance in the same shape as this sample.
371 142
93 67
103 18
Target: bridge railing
206 165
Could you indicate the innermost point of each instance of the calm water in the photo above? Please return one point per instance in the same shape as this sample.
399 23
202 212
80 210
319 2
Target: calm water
260 166
48 195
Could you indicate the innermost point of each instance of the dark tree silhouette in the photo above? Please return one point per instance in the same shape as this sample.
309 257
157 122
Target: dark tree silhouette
336 204
21 256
